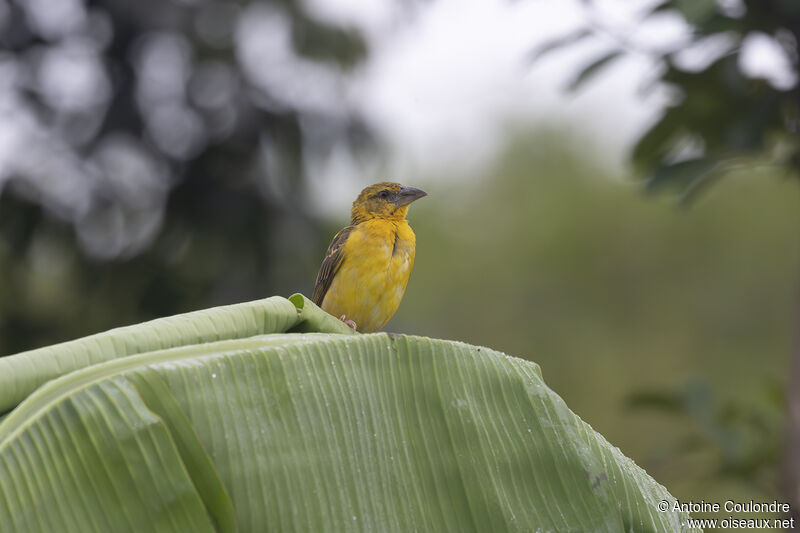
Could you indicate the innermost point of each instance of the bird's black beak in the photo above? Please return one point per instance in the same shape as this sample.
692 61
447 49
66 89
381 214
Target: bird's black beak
406 195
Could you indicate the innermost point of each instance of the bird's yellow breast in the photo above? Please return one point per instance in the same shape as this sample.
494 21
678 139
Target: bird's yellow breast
377 261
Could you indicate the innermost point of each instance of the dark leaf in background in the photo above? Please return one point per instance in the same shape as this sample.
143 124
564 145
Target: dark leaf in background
592 69
696 12
716 108
666 402
744 438
558 43
686 175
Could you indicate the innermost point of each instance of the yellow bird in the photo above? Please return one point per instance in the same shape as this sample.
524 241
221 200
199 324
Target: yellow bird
366 268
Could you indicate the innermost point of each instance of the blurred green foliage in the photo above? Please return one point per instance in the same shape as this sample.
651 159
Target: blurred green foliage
152 161
620 296
723 121
716 114
743 436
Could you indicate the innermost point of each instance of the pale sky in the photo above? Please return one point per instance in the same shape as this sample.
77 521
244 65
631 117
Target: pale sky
443 82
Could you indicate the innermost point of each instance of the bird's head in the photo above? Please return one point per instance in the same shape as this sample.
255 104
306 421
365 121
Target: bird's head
384 200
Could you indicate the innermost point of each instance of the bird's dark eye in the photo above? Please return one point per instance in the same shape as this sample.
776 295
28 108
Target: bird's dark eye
384 194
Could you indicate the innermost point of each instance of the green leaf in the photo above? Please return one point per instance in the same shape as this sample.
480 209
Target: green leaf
700 182
592 69
666 402
312 432
22 373
558 43
696 12
662 5
789 6
659 139
685 175
159 399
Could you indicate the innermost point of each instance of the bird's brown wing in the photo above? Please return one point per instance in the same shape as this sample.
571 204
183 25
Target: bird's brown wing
330 265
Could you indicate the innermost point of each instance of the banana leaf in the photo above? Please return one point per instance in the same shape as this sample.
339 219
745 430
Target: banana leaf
22 373
220 421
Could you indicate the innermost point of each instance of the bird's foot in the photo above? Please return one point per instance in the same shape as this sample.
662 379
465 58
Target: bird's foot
350 323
